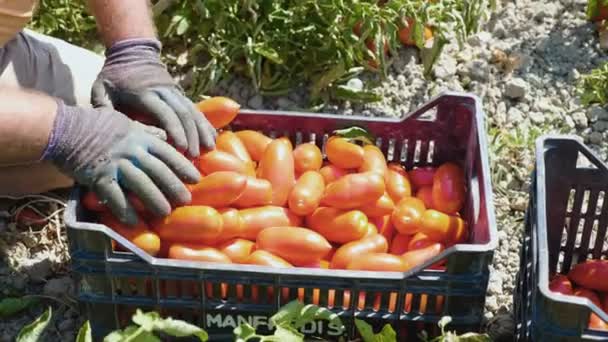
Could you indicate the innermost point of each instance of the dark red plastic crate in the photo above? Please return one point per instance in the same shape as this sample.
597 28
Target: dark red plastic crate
217 297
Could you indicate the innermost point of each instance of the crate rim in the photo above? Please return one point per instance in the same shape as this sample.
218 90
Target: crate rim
488 247
541 221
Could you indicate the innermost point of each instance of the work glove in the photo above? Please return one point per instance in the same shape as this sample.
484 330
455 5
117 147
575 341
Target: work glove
110 153
134 77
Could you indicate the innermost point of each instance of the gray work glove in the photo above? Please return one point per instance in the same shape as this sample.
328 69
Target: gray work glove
110 153
134 77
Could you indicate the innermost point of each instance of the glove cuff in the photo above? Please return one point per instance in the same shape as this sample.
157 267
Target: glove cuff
63 119
133 50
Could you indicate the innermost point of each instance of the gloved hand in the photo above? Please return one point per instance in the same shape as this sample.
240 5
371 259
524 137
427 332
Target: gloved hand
110 153
133 76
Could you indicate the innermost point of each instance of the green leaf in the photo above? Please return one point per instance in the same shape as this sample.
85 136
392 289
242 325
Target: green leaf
11 306
474 337
146 320
131 333
444 321
285 334
356 133
387 334
244 332
182 27
287 313
33 331
179 328
268 52
345 92
84 334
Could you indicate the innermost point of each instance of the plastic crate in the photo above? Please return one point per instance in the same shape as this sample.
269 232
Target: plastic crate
565 224
218 297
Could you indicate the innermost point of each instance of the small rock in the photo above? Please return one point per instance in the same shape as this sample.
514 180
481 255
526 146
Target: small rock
446 68
66 325
355 83
545 10
516 88
515 115
499 30
596 138
569 122
256 102
596 113
284 103
536 117
600 126
495 287
59 287
480 39
492 303
478 70
580 119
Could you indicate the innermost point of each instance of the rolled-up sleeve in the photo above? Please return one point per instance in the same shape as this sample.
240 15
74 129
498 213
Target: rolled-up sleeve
14 16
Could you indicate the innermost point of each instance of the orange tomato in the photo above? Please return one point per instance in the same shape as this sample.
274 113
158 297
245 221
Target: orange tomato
307 157
232 224
332 173
219 189
256 219
219 111
373 160
380 207
190 224
442 227
385 226
229 142
399 169
197 253
255 143
214 161
356 249
338 225
595 322
448 188
343 153
419 241
238 250
140 234
354 190
306 195
425 193
422 176
406 37
382 262
277 166
407 215
416 257
264 258
371 229
397 185
400 244
299 246
257 192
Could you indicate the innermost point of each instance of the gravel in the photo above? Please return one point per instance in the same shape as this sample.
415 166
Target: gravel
523 65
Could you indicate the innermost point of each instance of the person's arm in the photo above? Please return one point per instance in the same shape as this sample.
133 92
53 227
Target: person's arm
26 122
123 19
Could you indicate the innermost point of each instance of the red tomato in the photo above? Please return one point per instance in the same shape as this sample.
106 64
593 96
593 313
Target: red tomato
422 176
382 262
407 215
422 255
400 244
197 253
29 218
190 224
595 322
425 194
448 188
238 250
229 142
299 246
354 190
561 284
337 225
258 192
219 111
381 207
332 173
586 274
407 38
356 249
264 258
307 157
256 219
419 241
214 161
343 153
277 166
140 234
397 186
219 189
91 202
255 143
306 195
373 160
385 226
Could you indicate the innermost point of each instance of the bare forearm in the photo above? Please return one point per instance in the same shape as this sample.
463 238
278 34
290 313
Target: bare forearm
122 19
26 121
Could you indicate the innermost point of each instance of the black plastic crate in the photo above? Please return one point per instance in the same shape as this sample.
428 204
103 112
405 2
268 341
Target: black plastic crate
565 224
218 297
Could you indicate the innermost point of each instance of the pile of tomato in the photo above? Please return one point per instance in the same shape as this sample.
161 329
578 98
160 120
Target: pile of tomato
262 201
586 280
